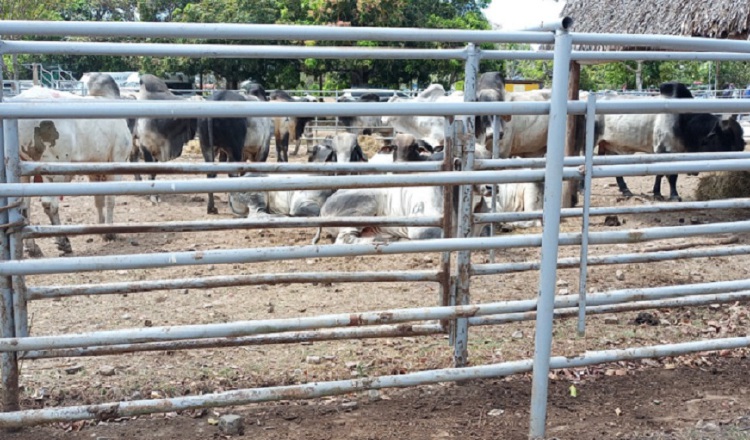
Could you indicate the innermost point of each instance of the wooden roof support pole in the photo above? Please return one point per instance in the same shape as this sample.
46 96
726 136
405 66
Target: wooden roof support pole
570 188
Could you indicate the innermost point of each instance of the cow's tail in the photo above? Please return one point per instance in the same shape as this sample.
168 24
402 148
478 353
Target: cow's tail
265 149
318 234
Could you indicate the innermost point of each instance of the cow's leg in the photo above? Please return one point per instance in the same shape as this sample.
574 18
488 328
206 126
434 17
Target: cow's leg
149 158
52 209
673 196
208 156
352 236
296 146
282 148
135 156
657 188
623 186
32 249
109 202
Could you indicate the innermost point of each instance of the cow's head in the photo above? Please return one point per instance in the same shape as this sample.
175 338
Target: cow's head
346 147
241 202
406 148
675 90
321 153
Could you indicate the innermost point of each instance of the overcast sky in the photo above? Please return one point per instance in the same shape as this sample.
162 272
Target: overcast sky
519 14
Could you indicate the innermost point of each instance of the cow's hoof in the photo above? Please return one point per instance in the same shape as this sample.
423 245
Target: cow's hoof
658 197
675 199
110 237
64 246
34 251
627 193
212 210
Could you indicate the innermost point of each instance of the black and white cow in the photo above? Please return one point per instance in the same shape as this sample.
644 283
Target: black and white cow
363 124
490 88
162 139
406 148
666 133
341 148
234 139
345 147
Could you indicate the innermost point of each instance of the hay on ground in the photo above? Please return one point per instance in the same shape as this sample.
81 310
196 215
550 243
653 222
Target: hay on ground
723 185
371 144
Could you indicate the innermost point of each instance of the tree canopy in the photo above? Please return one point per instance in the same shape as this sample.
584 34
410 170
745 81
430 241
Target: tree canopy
329 73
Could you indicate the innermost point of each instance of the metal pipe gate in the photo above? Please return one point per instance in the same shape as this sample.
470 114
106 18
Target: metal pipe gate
455 312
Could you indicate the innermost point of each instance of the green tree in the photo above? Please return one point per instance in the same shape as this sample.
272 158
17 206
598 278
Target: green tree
458 14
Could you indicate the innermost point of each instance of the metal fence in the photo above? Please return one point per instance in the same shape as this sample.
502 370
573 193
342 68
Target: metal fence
455 313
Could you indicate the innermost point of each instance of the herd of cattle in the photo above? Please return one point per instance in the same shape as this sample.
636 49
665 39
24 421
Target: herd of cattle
418 138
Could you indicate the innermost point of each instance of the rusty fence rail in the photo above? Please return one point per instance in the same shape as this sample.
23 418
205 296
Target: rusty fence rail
455 314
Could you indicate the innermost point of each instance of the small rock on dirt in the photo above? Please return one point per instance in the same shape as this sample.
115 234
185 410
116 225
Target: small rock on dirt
373 395
620 275
496 412
563 292
350 405
611 220
107 370
231 424
612 320
517 335
562 283
313 360
73 369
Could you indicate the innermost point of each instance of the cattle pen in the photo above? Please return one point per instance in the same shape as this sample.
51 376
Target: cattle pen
454 314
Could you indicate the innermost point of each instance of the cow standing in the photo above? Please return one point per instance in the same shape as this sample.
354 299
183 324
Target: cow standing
73 140
160 139
287 128
235 139
666 133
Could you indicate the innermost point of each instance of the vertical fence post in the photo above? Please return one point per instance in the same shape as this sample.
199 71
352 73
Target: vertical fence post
589 164
15 217
460 348
550 235
445 258
8 360
495 155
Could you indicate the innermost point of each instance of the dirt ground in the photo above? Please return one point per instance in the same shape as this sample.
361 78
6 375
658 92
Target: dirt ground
696 396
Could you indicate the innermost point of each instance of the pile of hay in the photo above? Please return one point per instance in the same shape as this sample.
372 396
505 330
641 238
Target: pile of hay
723 185
193 147
370 144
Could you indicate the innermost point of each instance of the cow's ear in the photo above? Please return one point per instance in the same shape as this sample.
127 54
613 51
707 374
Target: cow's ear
424 146
733 117
387 149
438 149
506 118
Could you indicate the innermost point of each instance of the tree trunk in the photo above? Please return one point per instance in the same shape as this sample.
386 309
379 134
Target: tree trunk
569 193
639 75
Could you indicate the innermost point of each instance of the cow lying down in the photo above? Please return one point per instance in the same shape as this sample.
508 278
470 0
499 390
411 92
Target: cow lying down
387 202
518 197
298 203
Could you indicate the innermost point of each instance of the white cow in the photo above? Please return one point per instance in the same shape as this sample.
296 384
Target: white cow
428 128
518 197
297 203
71 140
387 202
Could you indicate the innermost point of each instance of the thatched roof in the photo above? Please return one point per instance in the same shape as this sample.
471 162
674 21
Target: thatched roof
704 18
